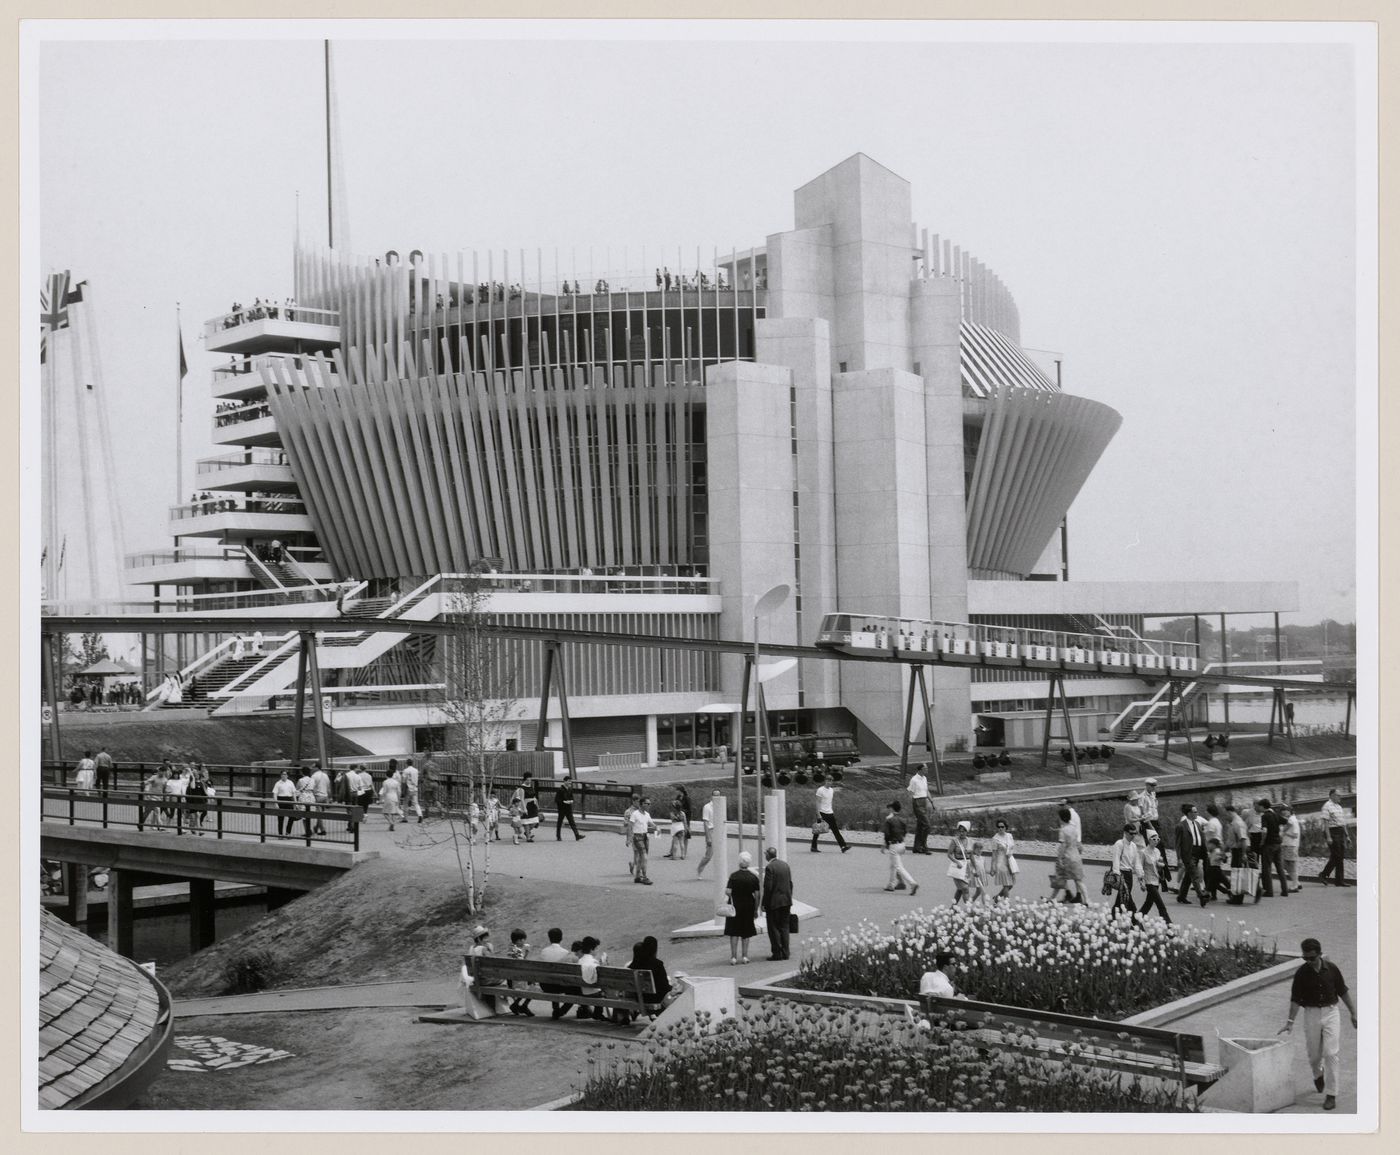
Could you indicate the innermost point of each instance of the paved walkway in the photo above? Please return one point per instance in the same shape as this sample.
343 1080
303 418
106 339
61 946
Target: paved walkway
427 993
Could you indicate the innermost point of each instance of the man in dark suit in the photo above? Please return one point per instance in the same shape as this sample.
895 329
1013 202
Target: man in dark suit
777 902
1191 854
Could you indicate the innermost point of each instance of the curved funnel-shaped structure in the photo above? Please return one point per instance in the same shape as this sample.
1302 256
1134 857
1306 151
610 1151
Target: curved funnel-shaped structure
1035 453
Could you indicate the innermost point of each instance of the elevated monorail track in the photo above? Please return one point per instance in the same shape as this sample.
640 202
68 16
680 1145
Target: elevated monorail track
222 623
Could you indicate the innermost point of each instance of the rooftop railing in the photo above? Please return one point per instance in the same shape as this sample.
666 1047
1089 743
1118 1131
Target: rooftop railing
239 460
245 366
234 414
578 583
305 555
269 311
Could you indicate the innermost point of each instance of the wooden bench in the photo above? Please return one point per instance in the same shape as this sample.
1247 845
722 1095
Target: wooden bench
619 988
1101 1042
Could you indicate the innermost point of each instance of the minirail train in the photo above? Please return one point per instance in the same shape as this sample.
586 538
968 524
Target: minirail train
868 635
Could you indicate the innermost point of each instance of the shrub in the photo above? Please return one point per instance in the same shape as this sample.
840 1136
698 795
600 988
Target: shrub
1038 955
249 972
786 1057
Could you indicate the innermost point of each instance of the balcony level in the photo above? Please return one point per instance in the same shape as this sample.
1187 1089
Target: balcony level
197 565
241 378
251 424
273 329
260 470
238 519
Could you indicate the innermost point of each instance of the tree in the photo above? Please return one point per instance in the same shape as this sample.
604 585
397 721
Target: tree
478 702
89 650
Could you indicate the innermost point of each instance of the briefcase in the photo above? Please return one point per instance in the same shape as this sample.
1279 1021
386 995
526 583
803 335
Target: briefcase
792 924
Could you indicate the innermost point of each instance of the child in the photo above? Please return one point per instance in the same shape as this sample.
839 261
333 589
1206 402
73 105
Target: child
1215 870
519 948
517 822
493 817
976 876
481 942
474 822
677 831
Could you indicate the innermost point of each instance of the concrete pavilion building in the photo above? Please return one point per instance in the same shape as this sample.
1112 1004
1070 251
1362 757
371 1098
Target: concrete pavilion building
845 409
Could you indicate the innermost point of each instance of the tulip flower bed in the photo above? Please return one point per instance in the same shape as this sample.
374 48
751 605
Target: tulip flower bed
1039 955
788 1057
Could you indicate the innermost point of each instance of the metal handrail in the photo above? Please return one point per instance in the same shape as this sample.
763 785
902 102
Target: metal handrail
272 311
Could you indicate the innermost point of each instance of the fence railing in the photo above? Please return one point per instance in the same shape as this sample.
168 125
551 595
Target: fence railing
222 817
444 790
270 312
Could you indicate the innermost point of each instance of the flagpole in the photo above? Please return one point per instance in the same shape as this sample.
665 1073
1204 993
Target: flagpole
179 411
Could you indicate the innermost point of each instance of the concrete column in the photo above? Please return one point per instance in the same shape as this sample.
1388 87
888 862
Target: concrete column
803 345
881 525
775 822
720 860
120 912
751 484
201 913
653 747
75 887
935 322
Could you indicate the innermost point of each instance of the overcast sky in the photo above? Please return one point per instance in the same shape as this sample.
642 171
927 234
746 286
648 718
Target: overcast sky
1177 219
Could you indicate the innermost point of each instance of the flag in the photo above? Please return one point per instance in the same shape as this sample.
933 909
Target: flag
184 368
53 309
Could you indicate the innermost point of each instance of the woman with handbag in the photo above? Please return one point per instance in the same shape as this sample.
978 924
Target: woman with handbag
740 909
960 864
1004 868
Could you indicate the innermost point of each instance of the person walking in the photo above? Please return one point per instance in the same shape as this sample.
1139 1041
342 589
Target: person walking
152 790
1003 868
284 792
564 805
918 793
1334 819
707 820
389 795
961 864
640 826
683 797
364 788
409 777
1147 803
1124 862
1291 835
1270 851
1150 863
1069 858
321 794
777 902
741 893
85 772
1073 820
1190 855
893 831
1317 987
826 812
1234 836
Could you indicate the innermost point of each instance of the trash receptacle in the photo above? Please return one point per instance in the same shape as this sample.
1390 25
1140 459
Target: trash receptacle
1258 1076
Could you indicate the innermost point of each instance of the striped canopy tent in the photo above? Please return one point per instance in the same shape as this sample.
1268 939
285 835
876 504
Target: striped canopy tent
106 668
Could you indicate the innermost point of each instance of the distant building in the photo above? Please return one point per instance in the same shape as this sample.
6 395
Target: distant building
846 409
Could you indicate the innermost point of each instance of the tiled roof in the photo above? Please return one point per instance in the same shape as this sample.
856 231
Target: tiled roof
97 1011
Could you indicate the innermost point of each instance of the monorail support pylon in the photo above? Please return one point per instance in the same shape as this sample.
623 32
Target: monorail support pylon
554 677
1057 688
930 740
308 665
1279 720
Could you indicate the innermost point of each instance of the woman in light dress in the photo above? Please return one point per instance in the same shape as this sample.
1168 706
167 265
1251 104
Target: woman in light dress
389 794
962 857
1002 872
1069 860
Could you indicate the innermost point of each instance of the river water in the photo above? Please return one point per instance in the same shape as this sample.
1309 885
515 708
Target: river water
164 938
1312 713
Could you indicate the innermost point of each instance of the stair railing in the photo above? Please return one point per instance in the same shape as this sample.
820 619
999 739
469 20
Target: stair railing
255 563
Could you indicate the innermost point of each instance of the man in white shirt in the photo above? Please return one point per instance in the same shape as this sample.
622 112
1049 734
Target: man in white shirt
936 981
1147 802
707 817
409 777
1124 861
639 825
827 813
1074 823
1334 819
1212 824
918 791
555 952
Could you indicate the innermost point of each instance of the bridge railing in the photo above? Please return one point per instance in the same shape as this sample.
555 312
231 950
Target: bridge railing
217 817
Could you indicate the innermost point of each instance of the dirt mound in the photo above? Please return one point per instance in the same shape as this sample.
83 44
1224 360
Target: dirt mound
218 741
386 920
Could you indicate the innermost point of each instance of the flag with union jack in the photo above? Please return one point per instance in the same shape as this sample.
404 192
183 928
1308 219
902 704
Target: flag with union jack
54 299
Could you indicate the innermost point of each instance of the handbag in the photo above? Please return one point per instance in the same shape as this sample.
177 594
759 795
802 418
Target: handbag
1012 865
792 924
725 910
958 870
818 825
